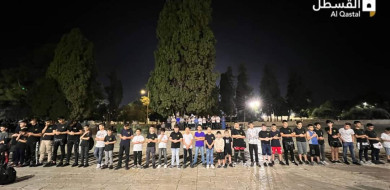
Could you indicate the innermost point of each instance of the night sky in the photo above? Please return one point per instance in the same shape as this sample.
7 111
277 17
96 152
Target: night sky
339 58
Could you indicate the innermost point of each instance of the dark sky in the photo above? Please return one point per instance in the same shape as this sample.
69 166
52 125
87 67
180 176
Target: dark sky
339 58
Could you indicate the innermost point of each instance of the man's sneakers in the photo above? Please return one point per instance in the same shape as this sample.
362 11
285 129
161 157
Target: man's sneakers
66 164
252 164
346 162
159 166
270 164
86 165
165 166
225 166
219 166
377 162
265 164
111 167
294 163
307 162
207 167
97 166
118 167
47 165
81 165
231 165
282 163
212 166
75 164
356 163
60 164
300 162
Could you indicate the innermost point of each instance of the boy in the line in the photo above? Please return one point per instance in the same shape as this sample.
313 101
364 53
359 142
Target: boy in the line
210 139
313 144
3 141
99 147
228 148
138 140
187 147
347 136
124 146
21 145
175 137
275 145
265 137
287 141
253 136
162 148
151 139
239 144
374 139
85 146
321 142
334 141
300 134
362 143
109 141
219 148
199 145
386 142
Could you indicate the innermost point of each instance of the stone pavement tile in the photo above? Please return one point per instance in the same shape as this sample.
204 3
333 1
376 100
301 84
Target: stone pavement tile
186 187
204 179
188 182
167 187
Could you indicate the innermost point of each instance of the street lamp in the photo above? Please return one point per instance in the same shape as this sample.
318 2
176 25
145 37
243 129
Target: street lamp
143 92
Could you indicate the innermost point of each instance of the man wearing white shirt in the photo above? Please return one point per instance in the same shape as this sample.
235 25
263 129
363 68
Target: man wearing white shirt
187 147
347 136
253 136
99 147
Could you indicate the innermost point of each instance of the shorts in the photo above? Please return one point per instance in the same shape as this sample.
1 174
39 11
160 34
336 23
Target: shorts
314 149
238 148
277 150
266 149
302 147
387 151
228 151
220 155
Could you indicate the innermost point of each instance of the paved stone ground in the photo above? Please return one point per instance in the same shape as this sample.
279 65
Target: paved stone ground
333 176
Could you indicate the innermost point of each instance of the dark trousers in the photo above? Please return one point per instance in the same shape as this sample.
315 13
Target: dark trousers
363 151
73 144
19 155
137 157
287 149
253 147
374 154
185 157
241 152
32 150
126 149
84 155
322 152
60 144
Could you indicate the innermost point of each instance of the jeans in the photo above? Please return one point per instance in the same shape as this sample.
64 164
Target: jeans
346 146
108 156
84 155
175 155
98 153
125 148
19 155
288 148
322 152
253 147
152 151
73 144
46 147
162 151
189 158
362 151
374 154
210 156
137 157
197 148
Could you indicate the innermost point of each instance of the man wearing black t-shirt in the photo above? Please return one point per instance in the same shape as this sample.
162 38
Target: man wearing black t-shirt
300 137
151 139
34 134
288 144
47 143
362 143
75 130
175 137
239 144
61 131
373 138
321 142
334 141
125 135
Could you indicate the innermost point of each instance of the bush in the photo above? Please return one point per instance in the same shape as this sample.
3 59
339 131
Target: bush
364 113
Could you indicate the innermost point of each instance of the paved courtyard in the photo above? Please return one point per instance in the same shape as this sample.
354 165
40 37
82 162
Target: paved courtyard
332 176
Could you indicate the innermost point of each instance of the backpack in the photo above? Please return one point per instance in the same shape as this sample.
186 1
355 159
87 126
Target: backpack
7 175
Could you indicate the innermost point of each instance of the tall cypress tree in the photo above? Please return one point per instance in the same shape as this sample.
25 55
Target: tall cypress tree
269 91
227 92
183 79
73 67
243 90
298 96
